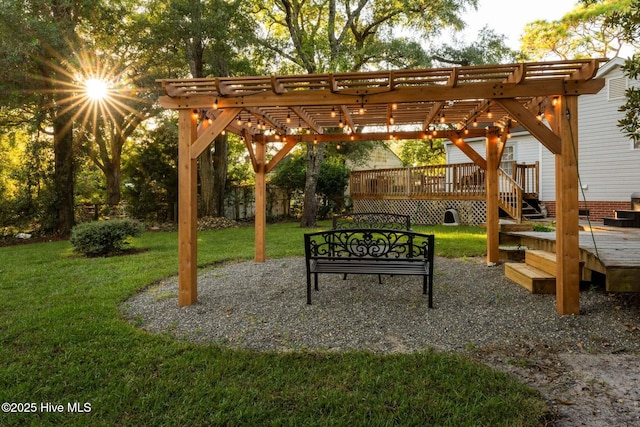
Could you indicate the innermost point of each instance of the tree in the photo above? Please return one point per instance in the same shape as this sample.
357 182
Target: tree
39 38
581 33
488 48
151 173
333 177
207 37
348 35
421 153
61 46
332 183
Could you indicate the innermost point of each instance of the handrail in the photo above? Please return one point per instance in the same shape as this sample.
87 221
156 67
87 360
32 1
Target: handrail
509 195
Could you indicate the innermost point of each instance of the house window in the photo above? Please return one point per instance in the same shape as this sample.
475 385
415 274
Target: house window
617 88
507 160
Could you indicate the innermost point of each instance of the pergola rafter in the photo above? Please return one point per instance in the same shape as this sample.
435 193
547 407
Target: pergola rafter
454 103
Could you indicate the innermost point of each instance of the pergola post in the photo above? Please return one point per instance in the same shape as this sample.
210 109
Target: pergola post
567 224
261 201
491 184
187 210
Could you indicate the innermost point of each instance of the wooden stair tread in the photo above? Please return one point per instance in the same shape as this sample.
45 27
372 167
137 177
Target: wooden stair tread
542 260
531 278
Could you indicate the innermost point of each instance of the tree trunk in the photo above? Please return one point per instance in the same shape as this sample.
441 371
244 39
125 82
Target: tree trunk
113 175
315 156
63 175
220 157
205 170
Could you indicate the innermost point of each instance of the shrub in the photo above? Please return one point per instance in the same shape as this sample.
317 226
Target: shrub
99 238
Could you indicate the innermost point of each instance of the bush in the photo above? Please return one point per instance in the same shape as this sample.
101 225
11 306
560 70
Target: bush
99 238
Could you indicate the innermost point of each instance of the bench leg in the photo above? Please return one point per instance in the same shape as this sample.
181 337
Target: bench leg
315 280
427 288
308 288
379 279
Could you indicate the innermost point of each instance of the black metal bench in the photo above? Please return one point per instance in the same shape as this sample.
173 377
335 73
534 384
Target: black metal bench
384 220
389 221
370 251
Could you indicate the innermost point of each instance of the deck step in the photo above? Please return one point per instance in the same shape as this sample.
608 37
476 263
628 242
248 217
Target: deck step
542 260
534 280
619 222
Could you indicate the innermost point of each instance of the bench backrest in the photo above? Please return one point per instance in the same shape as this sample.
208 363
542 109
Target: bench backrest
384 220
372 243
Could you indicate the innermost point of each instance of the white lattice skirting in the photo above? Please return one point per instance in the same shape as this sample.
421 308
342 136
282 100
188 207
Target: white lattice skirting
427 212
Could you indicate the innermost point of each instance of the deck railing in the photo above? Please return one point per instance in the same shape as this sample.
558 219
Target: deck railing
527 176
463 180
451 181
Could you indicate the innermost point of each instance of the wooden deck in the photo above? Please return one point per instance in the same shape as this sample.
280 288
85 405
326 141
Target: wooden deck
612 251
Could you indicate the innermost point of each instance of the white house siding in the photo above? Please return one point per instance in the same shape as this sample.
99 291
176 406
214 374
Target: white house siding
380 157
525 149
609 166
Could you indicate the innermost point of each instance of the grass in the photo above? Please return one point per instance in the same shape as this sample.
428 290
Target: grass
64 341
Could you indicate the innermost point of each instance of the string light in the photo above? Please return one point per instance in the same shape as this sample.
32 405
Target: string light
333 111
215 103
288 116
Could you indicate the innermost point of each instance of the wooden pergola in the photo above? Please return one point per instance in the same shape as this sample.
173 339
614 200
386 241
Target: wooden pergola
454 103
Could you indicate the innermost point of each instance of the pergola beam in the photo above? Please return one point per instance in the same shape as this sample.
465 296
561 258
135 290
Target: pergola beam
531 124
322 97
211 132
374 136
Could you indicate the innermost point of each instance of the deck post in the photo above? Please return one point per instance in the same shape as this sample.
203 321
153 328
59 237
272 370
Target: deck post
261 202
187 210
491 184
567 224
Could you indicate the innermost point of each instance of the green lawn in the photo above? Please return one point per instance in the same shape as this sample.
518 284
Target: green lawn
64 343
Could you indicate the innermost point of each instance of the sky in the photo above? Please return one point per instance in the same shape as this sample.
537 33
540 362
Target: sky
509 17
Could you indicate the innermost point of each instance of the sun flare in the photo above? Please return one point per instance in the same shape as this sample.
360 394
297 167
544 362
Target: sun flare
96 89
